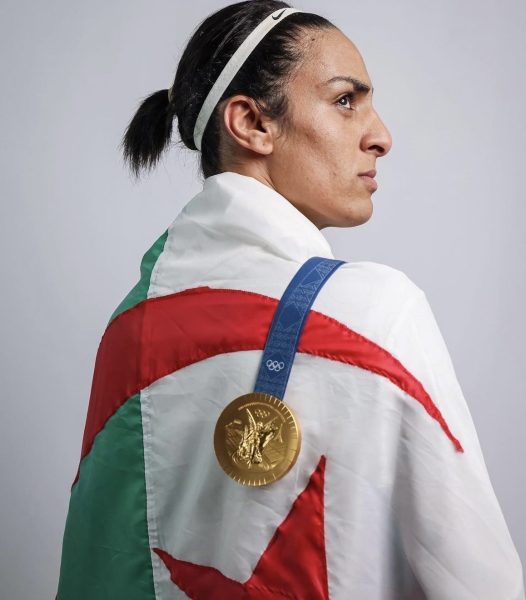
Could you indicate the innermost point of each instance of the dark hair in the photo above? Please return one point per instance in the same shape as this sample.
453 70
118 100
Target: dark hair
263 77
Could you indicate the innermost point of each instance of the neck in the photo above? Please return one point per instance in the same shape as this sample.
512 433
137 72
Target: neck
261 174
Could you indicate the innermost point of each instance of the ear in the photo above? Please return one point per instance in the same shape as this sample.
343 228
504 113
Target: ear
248 126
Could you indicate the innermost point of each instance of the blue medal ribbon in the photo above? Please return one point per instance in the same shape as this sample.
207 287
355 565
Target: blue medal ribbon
288 322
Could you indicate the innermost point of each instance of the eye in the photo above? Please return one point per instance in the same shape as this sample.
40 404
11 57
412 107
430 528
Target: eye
351 97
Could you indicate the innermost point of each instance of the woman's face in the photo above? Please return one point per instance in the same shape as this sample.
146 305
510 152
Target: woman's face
336 134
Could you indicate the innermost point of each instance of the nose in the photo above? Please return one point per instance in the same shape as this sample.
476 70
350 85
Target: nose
377 138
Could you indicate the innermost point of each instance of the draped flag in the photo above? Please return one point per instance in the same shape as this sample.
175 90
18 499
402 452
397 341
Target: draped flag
379 503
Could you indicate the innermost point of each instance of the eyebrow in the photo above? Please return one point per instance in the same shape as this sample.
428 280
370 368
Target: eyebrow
360 86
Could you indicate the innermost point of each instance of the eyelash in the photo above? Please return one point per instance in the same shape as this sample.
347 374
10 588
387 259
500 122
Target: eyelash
349 95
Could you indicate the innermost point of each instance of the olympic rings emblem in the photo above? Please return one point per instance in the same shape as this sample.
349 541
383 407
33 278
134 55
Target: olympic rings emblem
274 365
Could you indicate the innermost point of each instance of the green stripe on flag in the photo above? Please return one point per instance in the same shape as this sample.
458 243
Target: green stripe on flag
140 291
106 551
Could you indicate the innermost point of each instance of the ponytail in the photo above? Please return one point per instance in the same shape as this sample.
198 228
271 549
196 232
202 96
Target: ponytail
149 132
263 76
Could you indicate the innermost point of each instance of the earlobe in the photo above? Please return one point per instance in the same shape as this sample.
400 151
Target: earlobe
261 141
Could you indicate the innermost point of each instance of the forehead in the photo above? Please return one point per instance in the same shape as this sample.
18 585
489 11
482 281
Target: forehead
330 53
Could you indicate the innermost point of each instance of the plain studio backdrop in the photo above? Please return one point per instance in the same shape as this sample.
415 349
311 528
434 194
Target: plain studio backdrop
449 82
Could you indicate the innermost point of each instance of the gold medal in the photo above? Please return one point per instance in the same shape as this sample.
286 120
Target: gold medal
257 439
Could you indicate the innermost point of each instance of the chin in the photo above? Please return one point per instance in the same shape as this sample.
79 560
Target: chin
352 219
360 210
351 213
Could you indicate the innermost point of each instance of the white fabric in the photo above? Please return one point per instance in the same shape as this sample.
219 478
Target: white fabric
406 516
232 67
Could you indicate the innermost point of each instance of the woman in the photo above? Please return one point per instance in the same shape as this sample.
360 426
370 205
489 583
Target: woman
385 494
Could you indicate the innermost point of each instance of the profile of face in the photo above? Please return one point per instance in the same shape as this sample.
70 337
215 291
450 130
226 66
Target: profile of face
335 134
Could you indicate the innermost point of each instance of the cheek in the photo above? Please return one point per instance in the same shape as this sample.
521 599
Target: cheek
321 146
330 138
315 124
314 140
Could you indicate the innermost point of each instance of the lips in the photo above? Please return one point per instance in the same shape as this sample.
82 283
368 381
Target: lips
371 173
368 178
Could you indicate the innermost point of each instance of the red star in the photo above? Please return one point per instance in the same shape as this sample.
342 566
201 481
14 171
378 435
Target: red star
292 566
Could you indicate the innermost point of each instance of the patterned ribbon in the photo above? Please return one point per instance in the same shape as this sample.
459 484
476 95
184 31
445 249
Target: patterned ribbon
288 322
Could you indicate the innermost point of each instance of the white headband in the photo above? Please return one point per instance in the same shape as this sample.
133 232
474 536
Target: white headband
232 67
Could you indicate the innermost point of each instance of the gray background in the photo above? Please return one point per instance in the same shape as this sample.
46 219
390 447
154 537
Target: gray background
449 83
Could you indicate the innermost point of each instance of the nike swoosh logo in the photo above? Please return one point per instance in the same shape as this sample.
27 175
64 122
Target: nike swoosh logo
278 16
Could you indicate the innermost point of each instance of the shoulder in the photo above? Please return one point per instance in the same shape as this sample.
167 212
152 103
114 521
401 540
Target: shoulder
368 297
379 278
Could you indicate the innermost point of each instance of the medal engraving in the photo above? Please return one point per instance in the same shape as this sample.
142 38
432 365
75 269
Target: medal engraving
257 439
